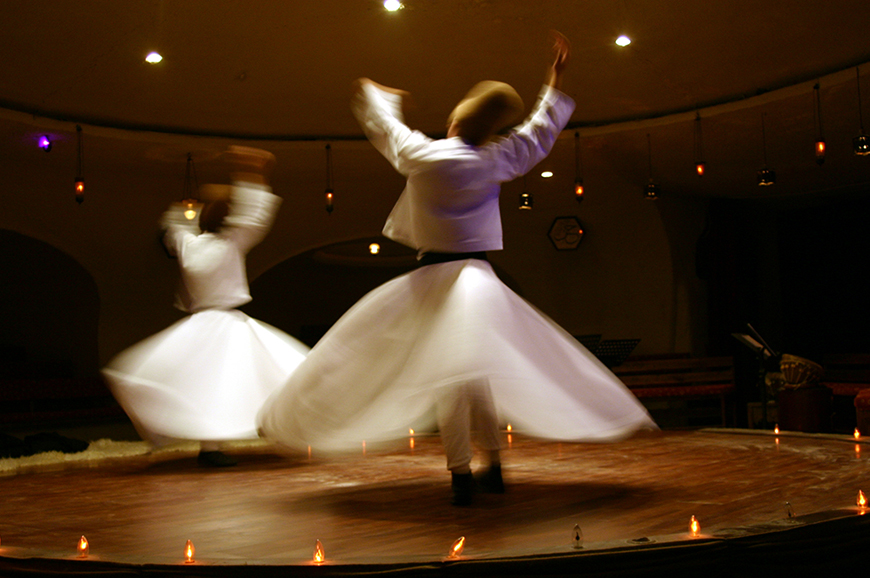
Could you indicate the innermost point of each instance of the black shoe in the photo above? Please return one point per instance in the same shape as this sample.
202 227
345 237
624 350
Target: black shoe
215 459
490 481
463 489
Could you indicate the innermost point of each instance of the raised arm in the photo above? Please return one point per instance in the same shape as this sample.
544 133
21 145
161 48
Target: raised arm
360 82
378 109
252 205
530 142
561 51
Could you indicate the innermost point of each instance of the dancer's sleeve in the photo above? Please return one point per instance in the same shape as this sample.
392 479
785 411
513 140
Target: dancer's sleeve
176 227
252 212
380 114
531 142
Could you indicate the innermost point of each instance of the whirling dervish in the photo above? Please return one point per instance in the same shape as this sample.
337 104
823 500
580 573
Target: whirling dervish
206 376
449 344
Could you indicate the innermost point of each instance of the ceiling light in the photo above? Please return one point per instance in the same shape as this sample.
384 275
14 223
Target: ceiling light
623 40
393 5
547 174
153 58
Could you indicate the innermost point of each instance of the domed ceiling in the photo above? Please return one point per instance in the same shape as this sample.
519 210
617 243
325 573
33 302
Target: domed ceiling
280 71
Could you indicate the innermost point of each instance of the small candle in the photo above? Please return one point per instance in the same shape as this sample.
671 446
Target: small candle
83 547
319 555
188 552
694 527
456 548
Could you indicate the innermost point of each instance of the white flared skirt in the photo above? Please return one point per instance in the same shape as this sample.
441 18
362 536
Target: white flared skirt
203 378
382 367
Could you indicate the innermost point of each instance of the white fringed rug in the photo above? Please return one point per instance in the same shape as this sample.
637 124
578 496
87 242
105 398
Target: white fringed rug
103 450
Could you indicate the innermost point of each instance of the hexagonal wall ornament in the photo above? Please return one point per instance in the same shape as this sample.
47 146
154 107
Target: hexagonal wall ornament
566 233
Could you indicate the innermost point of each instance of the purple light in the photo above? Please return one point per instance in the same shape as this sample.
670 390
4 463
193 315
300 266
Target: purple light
45 143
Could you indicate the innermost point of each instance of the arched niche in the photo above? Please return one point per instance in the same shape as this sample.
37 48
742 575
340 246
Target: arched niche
50 307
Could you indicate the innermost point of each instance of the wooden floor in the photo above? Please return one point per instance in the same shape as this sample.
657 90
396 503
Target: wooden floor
394 507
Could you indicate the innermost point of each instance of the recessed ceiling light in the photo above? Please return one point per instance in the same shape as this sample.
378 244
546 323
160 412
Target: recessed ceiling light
393 5
153 58
623 40
547 174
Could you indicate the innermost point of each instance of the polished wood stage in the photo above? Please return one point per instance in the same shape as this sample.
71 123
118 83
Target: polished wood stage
389 512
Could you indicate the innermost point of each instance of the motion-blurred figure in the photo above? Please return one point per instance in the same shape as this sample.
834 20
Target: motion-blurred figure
205 377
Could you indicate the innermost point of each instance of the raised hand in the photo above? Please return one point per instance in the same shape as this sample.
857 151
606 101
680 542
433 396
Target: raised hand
562 52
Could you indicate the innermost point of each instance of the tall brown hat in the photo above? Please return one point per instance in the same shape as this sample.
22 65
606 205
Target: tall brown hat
488 107
216 206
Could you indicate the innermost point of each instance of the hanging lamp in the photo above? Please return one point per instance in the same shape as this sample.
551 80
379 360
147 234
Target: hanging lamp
329 190
766 177
700 165
578 170
190 192
861 143
651 191
80 179
817 119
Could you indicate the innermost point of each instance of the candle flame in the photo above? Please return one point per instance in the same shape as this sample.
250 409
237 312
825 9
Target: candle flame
188 552
857 434
509 428
319 556
694 526
457 547
84 547
862 501
776 429
410 431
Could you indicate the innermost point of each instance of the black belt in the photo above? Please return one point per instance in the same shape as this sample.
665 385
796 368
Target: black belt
432 258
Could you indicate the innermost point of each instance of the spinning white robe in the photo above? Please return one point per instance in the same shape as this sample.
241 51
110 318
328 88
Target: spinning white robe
385 365
206 376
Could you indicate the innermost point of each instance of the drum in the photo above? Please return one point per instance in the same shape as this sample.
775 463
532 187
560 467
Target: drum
799 372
